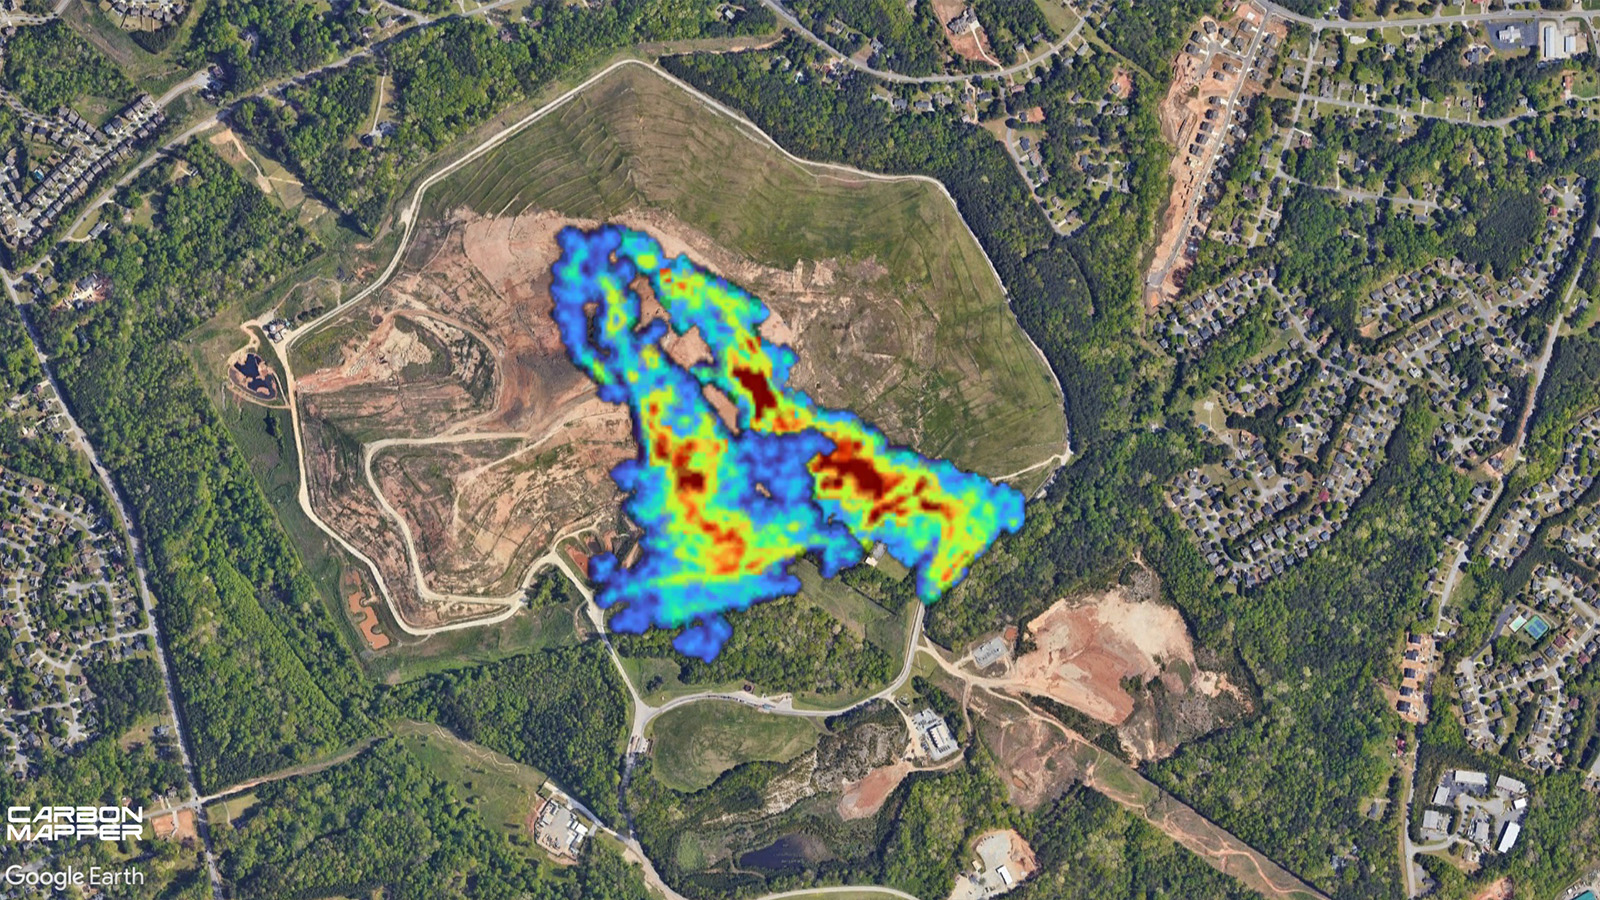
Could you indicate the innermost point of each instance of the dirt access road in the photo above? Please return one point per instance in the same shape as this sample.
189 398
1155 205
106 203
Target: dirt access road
407 218
1121 783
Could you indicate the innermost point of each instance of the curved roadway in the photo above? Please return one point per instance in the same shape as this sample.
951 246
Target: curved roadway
789 21
408 215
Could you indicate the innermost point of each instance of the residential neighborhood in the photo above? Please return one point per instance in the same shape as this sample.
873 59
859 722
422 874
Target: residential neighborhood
1556 494
74 156
1514 691
1278 495
66 602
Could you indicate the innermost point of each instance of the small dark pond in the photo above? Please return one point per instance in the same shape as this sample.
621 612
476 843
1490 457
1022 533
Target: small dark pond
790 852
257 381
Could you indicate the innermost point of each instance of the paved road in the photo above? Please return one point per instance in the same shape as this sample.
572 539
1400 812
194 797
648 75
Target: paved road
199 79
1436 19
1501 122
841 889
784 705
1369 197
1122 784
789 20
18 20
1452 575
1158 276
193 83
142 581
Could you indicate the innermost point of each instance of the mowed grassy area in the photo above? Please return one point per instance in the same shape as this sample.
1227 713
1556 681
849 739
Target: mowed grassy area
636 141
504 792
696 743
857 611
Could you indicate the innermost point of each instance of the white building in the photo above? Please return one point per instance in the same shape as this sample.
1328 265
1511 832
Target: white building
935 733
1508 838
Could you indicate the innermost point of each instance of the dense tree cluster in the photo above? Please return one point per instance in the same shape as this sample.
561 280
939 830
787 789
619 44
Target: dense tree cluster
264 676
1088 848
49 66
1150 33
314 133
1008 24
259 40
384 822
783 645
561 711
444 80
910 34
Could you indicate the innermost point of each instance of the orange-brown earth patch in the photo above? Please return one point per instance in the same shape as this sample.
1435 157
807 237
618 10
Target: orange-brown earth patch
865 797
178 825
972 45
1086 648
493 443
361 612
1197 79
1500 889
1037 761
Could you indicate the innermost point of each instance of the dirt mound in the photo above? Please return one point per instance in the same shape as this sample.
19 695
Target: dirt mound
970 45
865 797
361 611
178 825
1086 648
1037 761
1500 889
449 439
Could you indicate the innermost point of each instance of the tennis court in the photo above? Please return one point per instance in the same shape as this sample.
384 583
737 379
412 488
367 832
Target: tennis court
1536 628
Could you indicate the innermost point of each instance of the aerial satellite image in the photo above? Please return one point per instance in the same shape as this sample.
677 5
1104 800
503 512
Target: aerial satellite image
800 449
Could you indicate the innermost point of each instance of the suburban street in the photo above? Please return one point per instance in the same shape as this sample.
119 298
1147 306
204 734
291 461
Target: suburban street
500 609
137 557
789 20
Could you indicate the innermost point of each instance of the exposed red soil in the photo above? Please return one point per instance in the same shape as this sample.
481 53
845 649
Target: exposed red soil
865 797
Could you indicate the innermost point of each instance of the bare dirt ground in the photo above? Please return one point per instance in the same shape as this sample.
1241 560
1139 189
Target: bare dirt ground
1089 650
1041 758
1122 84
1022 857
361 611
1037 761
1087 647
228 143
865 797
492 441
1197 80
973 45
445 408
1500 889
1181 112
176 826
1223 850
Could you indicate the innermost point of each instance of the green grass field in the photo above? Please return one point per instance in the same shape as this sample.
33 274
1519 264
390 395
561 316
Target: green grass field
635 142
265 440
696 743
858 612
504 792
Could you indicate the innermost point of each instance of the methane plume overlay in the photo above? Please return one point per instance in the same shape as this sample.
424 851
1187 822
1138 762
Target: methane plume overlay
726 509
